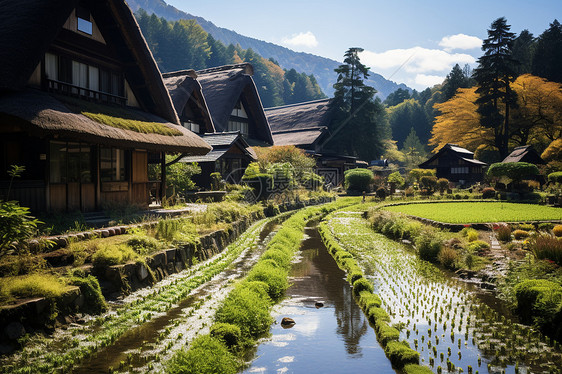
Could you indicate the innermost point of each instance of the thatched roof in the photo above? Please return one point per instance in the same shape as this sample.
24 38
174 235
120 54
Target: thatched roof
301 124
223 86
525 153
41 114
454 152
29 27
183 86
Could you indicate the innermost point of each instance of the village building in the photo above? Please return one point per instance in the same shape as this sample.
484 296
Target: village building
525 153
237 119
306 126
83 106
456 164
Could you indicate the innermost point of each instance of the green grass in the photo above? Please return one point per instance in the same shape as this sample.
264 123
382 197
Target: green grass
477 212
34 285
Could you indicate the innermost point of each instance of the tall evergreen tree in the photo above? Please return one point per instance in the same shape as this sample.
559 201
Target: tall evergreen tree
547 61
494 75
359 123
523 51
397 97
455 79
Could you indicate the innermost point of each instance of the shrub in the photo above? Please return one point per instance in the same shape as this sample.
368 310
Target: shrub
409 192
227 333
539 301
503 233
471 235
545 226
381 193
557 231
555 177
520 234
429 183
206 355
273 276
362 284
442 185
526 226
447 257
396 178
428 245
143 244
488 193
516 171
401 354
547 247
358 179
478 246
16 225
90 289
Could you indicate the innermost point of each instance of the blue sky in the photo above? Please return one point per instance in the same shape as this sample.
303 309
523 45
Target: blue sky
415 42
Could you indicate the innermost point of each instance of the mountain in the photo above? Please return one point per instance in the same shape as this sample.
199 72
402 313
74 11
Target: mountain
322 68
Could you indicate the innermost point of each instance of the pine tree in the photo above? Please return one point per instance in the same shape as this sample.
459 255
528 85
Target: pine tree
523 51
359 124
494 76
548 55
455 80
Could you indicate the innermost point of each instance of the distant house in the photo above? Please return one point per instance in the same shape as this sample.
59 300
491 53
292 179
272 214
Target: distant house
223 106
305 125
525 153
456 164
82 106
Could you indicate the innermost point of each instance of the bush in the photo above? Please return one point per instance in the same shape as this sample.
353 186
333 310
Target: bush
478 246
488 193
227 333
143 244
428 183
16 225
447 257
546 226
503 233
539 301
516 171
381 193
358 179
428 245
557 231
471 235
547 247
442 185
206 355
555 177
520 234
90 289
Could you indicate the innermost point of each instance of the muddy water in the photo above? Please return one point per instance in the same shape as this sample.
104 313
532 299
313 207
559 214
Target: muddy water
333 338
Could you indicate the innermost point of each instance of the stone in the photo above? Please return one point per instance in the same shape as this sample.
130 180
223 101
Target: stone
104 233
15 330
318 304
287 322
142 272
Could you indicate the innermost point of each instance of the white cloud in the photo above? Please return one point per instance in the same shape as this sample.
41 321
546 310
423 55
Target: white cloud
303 39
460 41
415 60
428 80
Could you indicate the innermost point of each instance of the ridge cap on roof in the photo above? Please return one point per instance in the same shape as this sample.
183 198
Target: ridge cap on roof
319 128
189 72
248 68
296 104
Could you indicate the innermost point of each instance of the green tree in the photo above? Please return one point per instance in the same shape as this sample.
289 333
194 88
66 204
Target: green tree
494 76
358 179
523 51
359 124
455 79
405 116
414 151
548 54
397 97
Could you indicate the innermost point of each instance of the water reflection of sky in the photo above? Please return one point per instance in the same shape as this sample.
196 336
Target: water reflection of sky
335 338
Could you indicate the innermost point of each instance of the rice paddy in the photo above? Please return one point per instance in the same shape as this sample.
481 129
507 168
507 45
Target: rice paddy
452 330
479 212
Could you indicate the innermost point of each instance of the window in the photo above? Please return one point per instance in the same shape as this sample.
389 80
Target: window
460 170
239 110
70 162
238 126
192 127
84 20
112 165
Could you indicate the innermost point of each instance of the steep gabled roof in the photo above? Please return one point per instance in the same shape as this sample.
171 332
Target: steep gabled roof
222 142
525 153
182 86
301 124
457 152
223 86
29 27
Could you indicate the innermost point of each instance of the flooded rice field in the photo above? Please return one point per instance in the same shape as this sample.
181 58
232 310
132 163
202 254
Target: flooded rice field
453 327
331 333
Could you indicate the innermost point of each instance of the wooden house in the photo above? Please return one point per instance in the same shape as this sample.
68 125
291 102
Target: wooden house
305 125
82 106
525 153
456 164
234 117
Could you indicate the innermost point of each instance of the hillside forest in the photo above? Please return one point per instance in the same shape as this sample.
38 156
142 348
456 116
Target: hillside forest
183 44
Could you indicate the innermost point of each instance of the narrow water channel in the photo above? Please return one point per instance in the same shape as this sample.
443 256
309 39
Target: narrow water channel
334 337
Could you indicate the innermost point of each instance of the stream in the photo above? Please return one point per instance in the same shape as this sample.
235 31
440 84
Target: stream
334 337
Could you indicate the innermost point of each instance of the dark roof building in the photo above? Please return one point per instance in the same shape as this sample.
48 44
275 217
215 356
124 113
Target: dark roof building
234 102
303 125
82 105
456 164
525 153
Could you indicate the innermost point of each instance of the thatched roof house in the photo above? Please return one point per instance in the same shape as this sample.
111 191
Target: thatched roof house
234 102
303 125
456 164
82 104
525 153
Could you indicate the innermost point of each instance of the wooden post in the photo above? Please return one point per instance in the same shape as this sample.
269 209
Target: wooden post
162 176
